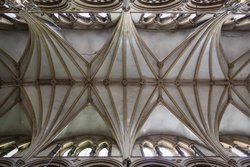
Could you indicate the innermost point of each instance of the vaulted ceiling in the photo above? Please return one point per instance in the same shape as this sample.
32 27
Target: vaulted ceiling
132 85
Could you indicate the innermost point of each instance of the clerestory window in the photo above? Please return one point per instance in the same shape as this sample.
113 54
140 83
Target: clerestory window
85 152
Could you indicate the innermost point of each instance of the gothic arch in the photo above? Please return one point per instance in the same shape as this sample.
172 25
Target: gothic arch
244 162
42 162
100 162
157 162
193 162
6 163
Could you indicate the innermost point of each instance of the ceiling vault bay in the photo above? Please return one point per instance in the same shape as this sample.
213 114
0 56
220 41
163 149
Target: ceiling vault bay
124 82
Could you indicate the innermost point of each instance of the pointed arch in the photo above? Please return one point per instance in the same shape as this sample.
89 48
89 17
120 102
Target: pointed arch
154 162
42 162
209 161
99 162
245 162
6 163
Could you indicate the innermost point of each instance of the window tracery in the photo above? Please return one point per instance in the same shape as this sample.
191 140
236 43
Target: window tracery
147 152
85 152
235 149
65 154
237 152
153 146
104 149
186 152
147 149
12 147
95 4
166 151
83 147
94 148
237 145
205 4
103 152
200 162
11 153
156 5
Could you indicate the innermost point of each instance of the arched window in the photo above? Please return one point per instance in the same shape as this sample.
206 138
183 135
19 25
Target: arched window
153 166
86 15
186 153
165 151
238 152
242 144
146 15
104 152
233 149
147 152
85 152
11 153
103 14
65 154
225 145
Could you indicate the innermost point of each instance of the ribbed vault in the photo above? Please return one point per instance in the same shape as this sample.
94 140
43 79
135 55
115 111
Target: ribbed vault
123 84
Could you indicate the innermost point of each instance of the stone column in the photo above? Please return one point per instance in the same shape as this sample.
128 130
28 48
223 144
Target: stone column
109 150
158 151
71 152
55 150
178 149
93 151
196 150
